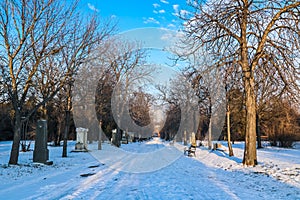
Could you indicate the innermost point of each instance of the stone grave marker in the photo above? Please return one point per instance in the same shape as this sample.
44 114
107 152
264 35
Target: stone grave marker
81 139
41 153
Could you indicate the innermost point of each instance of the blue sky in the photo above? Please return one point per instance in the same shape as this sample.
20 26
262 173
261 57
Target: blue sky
138 13
148 21
152 22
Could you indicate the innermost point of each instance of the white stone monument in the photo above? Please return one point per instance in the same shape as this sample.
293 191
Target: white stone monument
81 139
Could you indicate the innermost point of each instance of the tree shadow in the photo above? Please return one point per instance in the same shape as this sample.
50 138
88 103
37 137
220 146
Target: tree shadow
226 155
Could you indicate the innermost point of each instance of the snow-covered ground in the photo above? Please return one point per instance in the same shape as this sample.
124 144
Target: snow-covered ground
151 170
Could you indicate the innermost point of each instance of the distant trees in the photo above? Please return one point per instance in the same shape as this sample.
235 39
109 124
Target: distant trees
6 128
253 36
139 108
182 109
280 122
237 114
43 43
123 68
171 125
103 102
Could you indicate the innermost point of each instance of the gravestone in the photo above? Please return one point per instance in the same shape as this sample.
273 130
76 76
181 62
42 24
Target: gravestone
81 139
41 153
114 137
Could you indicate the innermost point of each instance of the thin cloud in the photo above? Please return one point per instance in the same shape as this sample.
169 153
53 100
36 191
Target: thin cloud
92 7
161 11
176 10
175 7
150 20
156 5
171 26
164 1
184 12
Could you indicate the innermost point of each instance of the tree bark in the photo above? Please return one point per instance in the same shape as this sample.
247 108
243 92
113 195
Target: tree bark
14 154
100 136
210 124
250 157
209 135
64 153
228 132
259 146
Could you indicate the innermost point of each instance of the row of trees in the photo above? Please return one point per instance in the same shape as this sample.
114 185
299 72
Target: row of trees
251 50
49 46
258 41
278 122
43 43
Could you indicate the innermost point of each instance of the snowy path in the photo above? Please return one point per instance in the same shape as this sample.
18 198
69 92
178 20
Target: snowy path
211 175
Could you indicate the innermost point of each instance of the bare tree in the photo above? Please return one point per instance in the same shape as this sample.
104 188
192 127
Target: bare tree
254 35
120 65
139 108
280 122
183 108
37 35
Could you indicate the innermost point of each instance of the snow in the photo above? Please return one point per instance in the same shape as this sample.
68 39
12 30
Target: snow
151 170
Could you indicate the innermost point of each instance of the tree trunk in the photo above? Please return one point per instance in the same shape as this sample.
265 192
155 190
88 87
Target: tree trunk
210 124
250 157
228 132
67 125
100 136
209 135
184 138
64 153
14 154
259 146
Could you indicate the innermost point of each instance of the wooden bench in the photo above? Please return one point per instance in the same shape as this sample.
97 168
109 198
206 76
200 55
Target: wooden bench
190 151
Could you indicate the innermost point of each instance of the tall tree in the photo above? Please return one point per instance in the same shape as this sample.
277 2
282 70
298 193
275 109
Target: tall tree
252 34
127 62
183 107
139 108
37 35
120 65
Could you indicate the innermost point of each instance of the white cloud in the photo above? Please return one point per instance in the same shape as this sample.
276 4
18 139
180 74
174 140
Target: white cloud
171 26
150 20
162 11
92 7
184 12
156 5
164 1
176 8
